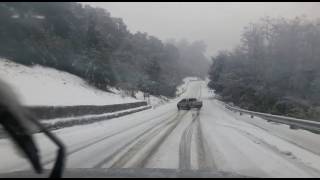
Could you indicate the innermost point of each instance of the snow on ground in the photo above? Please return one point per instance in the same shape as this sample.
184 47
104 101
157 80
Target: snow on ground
153 101
38 85
240 146
156 101
79 136
299 137
184 86
245 146
167 155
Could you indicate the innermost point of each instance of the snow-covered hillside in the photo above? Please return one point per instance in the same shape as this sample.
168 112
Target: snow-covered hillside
39 85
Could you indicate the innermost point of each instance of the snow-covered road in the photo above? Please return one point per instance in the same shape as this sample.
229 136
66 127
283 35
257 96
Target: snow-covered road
212 139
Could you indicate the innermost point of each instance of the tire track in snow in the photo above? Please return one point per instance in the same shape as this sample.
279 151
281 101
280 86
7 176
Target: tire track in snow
185 145
88 145
138 145
156 146
122 156
122 148
142 142
205 159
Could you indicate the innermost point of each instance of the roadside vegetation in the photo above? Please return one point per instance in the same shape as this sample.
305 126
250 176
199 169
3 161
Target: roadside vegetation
276 69
97 47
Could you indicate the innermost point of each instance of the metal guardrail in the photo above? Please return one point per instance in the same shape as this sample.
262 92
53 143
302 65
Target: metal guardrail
81 120
51 112
294 123
88 120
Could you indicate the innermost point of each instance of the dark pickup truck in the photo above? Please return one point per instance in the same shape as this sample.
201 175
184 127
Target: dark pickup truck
188 103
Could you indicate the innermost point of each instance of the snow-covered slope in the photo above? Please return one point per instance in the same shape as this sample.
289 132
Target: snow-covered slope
39 85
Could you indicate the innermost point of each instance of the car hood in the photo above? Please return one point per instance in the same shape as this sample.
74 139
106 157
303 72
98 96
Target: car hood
128 173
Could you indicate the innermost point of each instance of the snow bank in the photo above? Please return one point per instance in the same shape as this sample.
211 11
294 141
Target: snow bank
38 85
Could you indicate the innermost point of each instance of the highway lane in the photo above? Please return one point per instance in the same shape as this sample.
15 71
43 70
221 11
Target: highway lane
135 147
210 139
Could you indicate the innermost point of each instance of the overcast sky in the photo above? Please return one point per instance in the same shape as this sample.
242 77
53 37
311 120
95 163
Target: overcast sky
219 24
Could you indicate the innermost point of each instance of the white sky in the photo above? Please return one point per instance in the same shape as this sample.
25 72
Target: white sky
219 24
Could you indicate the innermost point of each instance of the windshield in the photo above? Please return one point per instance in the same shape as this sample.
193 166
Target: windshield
107 80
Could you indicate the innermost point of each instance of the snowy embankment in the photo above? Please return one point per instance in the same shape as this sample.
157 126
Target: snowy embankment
39 86
42 86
